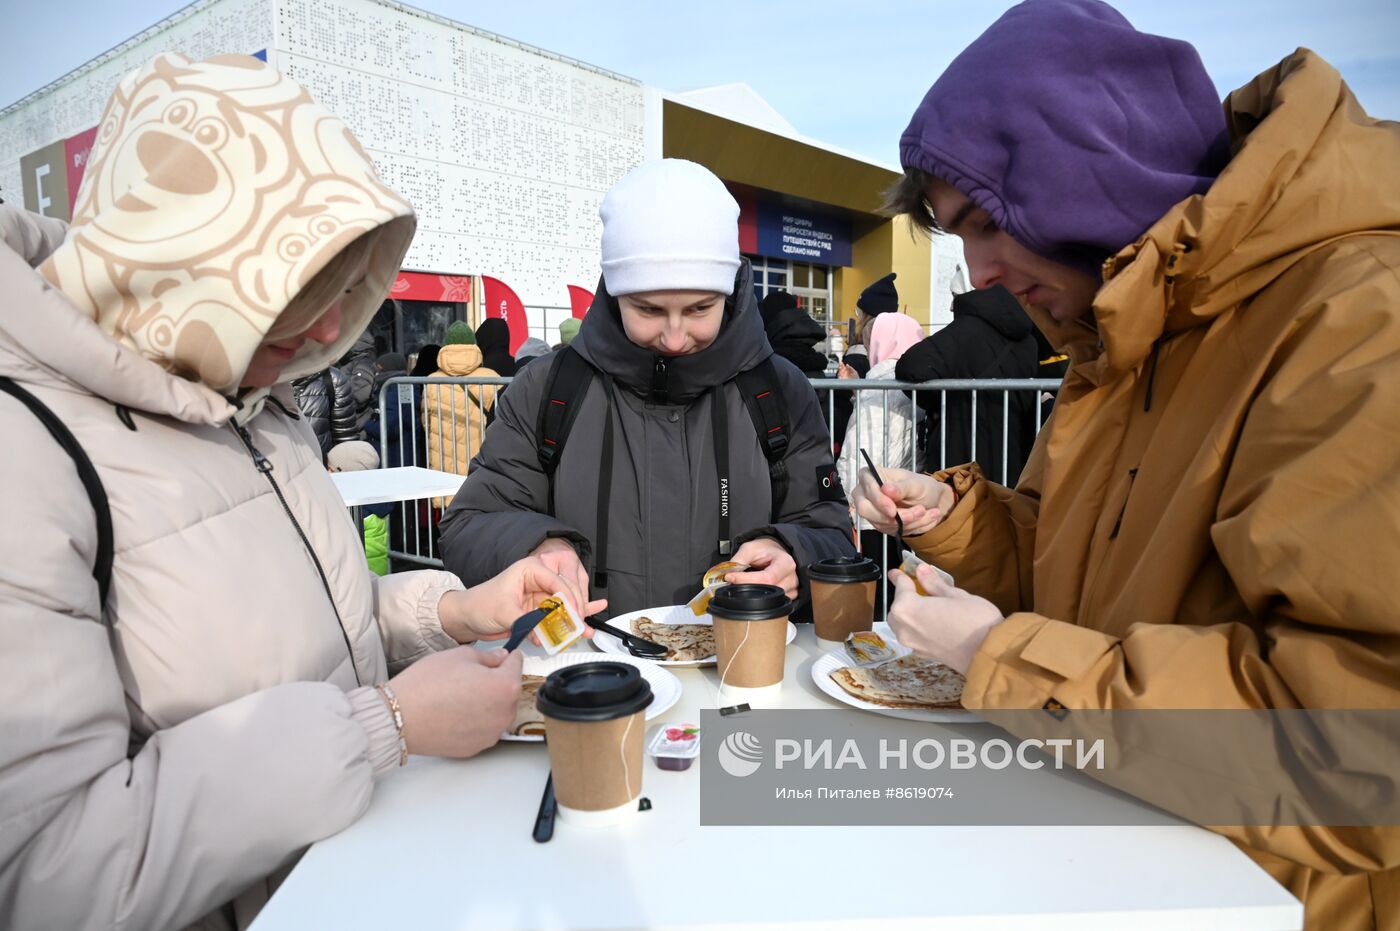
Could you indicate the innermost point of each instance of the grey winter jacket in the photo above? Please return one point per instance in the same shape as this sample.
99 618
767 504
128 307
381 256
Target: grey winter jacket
664 527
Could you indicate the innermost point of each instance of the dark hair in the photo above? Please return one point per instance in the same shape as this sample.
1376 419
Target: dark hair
426 364
492 333
909 197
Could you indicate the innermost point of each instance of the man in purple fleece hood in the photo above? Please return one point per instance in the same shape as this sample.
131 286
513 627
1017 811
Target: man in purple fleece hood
1211 516
1047 168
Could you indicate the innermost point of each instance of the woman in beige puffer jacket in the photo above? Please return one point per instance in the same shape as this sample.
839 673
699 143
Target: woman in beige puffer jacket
155 770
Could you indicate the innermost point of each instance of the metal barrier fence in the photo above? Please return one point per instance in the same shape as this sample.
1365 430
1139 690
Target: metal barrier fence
950 417
419 425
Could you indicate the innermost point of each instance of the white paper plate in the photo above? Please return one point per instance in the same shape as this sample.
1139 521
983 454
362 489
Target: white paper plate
837 659
670 614
665 687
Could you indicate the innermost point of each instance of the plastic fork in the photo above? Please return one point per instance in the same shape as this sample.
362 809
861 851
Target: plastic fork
637 646
522 627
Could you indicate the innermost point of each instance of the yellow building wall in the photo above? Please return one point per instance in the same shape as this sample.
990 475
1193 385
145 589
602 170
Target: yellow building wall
913 261
747 155
887 248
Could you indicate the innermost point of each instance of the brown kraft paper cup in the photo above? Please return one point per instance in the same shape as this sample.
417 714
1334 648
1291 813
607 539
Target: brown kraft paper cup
842 608
597 764
760 661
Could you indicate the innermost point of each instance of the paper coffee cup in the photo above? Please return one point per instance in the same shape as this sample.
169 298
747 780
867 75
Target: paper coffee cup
843 596
594 721
764 696
750 639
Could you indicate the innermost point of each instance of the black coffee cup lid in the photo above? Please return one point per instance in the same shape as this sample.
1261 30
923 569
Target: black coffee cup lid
593 692
750 602
844 569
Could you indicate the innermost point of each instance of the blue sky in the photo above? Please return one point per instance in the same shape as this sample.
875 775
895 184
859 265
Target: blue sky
849 74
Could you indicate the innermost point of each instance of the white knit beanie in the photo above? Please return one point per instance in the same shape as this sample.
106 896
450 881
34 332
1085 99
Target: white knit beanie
670 225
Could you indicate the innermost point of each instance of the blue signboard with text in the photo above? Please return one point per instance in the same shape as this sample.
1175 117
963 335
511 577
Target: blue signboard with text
802 236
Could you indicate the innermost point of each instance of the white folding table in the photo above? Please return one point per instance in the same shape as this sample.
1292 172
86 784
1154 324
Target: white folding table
405 483
447 845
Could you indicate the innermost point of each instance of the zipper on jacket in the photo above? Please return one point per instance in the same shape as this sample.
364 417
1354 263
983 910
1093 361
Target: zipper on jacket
264 465
1117 525
659 377
1152 376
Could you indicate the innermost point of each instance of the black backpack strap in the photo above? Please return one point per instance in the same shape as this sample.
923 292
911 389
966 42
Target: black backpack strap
766 405
102 563
569 378
476 402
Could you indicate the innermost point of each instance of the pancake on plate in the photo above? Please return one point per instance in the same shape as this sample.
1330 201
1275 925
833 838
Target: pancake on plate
528 720
684 643
909 682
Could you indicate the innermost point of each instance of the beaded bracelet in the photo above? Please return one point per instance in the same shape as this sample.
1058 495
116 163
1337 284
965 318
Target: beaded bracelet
392 701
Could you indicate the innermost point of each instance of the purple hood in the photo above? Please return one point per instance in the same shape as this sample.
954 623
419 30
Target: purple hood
1072 129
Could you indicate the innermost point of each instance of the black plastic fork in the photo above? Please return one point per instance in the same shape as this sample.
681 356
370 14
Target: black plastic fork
637 646
522 627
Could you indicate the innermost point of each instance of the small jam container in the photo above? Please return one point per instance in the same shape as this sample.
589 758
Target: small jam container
910 567
560 628
713 582
675 746
868 649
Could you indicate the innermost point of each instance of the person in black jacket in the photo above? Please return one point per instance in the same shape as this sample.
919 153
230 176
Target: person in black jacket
425 363
346 408
327 401
358 366
990 337
793 333
389 365
493 339
881 297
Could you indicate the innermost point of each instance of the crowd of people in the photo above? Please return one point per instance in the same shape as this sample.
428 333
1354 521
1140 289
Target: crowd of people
200 676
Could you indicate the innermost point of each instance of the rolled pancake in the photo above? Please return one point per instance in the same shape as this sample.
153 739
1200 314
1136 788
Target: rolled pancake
683 642
528 720
908 682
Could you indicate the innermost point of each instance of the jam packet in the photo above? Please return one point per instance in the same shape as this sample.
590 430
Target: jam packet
910 567
867 648
560 628
675 746
713 582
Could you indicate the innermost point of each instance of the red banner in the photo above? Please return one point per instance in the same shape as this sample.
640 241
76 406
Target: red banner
580 299
76 151
502 302
422 286
748 215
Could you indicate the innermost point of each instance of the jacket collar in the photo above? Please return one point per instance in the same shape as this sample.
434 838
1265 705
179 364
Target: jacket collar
740 346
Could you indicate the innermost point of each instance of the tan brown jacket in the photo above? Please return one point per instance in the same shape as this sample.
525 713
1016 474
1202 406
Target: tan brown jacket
1211 518
454 417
